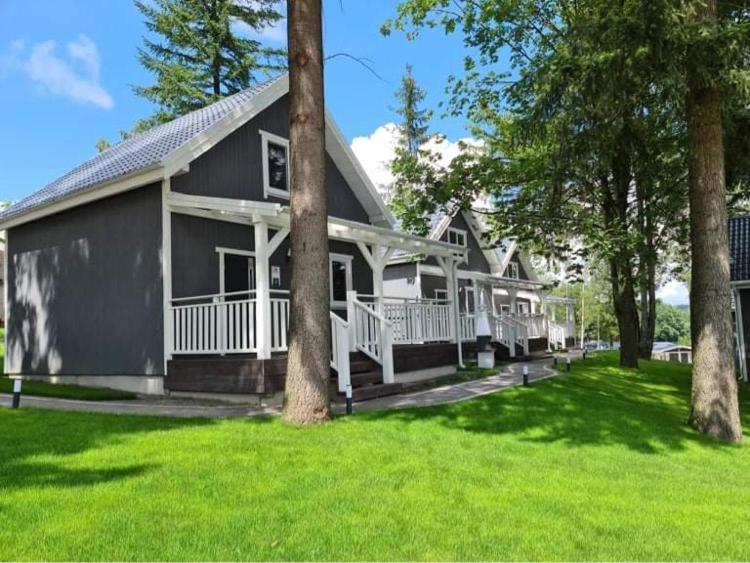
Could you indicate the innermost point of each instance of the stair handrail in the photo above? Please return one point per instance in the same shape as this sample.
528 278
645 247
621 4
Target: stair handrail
505 333
521 333
555 334
372 334
340 351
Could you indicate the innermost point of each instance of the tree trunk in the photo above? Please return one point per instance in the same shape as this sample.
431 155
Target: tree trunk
626 312
306 397
714 408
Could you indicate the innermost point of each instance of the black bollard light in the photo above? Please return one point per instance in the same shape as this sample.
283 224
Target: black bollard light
554 361
525 376
584 353
567 364
349 399
16 393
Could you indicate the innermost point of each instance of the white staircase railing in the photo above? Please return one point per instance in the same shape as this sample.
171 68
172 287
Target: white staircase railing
372 334
555 335
521 334
340 351
504 332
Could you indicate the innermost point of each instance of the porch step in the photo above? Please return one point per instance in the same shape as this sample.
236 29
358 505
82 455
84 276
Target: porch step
361 366
362 378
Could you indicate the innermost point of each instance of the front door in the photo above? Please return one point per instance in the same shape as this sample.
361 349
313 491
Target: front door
239 275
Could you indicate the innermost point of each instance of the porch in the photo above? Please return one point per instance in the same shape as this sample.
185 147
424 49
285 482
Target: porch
235 340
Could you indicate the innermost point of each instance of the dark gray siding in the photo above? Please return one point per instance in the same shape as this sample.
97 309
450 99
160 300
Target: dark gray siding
477 261
745 304
233 168
85 289
430 284
195 261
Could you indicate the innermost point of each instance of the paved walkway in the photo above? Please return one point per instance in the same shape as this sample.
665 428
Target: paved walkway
511 376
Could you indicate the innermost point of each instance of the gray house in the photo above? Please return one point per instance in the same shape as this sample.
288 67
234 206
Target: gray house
739 252
496 280
162 265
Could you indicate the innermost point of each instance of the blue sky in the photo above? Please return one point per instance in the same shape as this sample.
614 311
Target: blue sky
66 68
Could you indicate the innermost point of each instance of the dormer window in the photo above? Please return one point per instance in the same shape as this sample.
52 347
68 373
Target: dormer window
275 165
457 236
513 270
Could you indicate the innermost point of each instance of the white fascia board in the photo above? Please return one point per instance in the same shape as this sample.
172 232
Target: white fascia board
277 215
358 180
183 155
138 179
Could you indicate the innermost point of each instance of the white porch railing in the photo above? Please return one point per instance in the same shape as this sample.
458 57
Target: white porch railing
468 327
225 323
534 324
340 351
214 324
416 321
372 334
279 320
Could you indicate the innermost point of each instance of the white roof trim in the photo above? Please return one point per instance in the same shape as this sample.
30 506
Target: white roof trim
360 183
138 179
179 159
277 215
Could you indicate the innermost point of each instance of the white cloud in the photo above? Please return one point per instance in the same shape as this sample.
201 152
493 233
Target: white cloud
274 34
377 150
674 292
73 75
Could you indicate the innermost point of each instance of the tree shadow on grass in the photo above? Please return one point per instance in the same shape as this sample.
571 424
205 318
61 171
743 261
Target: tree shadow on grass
598 403
31 434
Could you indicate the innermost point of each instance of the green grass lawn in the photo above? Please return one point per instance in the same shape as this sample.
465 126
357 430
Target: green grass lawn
41 389
597 464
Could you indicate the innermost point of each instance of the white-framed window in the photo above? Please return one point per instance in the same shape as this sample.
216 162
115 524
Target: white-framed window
441 294
505 309
457 236
340 268
523 308
513 270
276 176
236 271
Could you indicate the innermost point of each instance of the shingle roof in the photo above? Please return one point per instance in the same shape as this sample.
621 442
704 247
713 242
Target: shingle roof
134 154
739 248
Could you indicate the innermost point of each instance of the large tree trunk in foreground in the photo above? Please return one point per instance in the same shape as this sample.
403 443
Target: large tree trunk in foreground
714 408
626 312
306 398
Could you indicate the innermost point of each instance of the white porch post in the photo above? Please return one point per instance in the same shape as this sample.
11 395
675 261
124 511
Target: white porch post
376 258
351 296
166 264
513 294
262 292
454 275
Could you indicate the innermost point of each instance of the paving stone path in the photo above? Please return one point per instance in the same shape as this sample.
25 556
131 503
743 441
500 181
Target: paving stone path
510 376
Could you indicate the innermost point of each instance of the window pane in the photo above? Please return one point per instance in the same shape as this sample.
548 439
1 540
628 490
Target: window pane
338 280
277 167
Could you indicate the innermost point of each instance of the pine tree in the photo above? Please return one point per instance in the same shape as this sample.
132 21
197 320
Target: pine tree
413 164
414 127
306 399
199 57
